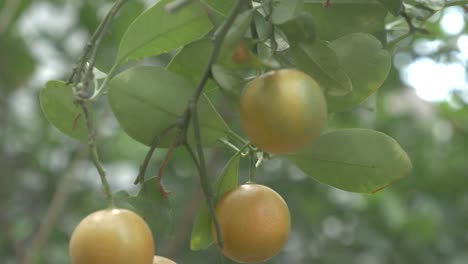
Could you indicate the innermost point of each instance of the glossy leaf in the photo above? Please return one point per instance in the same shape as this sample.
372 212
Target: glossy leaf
223 7
156 31
189 62
57 104
320 61
228 80
354 160
286 10
299 29
201 236
364 60
146 100
393 6
345 17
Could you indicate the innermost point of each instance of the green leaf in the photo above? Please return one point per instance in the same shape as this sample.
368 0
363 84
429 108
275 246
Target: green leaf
299 29
354 160
146 100
156 31
201 236
345 17
228 80
223 7
362 57
393 6
320 61
285 10
57 104
154 208
190 61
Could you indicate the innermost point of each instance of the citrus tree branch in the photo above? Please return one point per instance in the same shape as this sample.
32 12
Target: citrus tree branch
218 39
141 174
205 184
94 153
412 28
81 78
92 45
191 111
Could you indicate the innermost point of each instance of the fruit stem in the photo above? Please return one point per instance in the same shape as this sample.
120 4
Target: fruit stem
252 168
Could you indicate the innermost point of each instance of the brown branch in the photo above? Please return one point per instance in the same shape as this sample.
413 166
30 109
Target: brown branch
75 121
164 193
141 174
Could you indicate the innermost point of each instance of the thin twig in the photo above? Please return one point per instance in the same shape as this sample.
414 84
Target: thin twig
412 29
141 174
409 21
75 121
252 167
254 32
217 43
192 155
92 45
271 28
94 154
80 88
206 186
191 111
164 193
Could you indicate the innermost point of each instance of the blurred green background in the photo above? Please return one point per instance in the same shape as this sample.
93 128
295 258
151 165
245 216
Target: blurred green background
420 219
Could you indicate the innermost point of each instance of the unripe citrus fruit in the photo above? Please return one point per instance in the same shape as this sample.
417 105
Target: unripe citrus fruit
282 111
241 54
114 236
254 222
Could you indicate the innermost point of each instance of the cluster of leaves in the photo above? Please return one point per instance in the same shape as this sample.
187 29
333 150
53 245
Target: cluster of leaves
342 47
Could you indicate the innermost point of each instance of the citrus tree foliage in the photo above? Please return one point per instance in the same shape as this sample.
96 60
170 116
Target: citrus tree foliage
349 64
158 62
